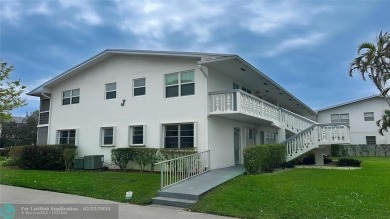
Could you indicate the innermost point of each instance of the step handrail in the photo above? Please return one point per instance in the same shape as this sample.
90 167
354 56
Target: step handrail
314 136
182 168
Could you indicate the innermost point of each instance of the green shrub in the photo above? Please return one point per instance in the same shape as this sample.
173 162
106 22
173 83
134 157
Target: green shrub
306 159
69 155
327 160
169 153
43 157
144 156
14 154
264 158
348 162
121 157
289 164
252 159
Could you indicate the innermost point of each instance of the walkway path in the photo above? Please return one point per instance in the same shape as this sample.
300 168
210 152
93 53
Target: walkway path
16 195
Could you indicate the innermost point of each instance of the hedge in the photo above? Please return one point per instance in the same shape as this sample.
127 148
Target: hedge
360 150
348 162
144 156
264 158
41 157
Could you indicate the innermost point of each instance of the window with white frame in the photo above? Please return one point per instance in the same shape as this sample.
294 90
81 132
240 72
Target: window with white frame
139 87
67 136
110 91
270 137
107 136
180 84
137 135
369 116
179 135
371 140
71 97
339 118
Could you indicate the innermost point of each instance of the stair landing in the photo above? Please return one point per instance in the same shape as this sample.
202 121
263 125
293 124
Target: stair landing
186 193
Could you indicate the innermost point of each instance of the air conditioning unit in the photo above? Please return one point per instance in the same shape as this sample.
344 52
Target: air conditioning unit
93 162
78 163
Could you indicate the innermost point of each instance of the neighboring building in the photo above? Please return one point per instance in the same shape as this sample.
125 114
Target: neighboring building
361 115
215 102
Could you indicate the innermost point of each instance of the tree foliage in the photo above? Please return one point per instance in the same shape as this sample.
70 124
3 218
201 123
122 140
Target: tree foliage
10 92
373 61
24 133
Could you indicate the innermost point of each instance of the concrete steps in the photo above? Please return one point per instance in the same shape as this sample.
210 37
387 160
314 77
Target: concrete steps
174 199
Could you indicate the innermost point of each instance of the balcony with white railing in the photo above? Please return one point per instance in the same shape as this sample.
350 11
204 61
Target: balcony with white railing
240 105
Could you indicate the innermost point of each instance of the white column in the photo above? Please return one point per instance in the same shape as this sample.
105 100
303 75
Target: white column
319 156
281 135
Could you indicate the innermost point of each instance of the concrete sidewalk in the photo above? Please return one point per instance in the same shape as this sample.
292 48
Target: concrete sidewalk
17 195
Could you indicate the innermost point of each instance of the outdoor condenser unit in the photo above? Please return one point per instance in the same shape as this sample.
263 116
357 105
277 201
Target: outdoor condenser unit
93 162
79 163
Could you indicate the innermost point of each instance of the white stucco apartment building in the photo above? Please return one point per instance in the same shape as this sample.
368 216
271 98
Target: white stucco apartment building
361 115
216 102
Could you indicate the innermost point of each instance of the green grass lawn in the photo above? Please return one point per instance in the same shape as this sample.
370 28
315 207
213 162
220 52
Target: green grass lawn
97 184
305 193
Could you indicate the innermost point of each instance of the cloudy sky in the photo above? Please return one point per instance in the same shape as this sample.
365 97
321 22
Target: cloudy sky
304 45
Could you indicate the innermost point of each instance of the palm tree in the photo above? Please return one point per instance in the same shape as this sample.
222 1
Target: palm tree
374 61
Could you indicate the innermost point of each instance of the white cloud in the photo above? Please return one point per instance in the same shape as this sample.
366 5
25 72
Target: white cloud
266 16
84 12
11 10
155 21
41 9
297 42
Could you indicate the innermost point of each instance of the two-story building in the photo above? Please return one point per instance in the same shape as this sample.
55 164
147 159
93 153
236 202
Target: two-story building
216 102
361 115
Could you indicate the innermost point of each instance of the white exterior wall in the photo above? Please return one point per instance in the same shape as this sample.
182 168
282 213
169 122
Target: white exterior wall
360 128
221 130
151 109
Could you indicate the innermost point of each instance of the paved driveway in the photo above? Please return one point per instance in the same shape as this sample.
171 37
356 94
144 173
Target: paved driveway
16 195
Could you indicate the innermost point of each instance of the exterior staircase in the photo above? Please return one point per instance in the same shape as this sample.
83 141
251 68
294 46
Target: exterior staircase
316 137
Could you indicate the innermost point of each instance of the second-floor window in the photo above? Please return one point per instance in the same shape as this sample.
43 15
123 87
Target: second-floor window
110 91
369 116
180 84
71 97
139 87
339 118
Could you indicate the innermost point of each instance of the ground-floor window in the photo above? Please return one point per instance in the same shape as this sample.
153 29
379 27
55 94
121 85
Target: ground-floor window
107 136
67 136
370 139
137 135
270 137
179 135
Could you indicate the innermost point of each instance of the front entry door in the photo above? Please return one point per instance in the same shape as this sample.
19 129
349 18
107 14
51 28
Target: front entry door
236 146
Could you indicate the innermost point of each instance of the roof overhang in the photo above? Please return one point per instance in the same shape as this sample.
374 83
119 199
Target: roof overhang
239 70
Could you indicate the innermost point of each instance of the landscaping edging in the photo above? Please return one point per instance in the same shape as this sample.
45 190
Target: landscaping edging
327 167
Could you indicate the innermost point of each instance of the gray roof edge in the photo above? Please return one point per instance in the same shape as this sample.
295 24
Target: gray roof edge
108 52
349 102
